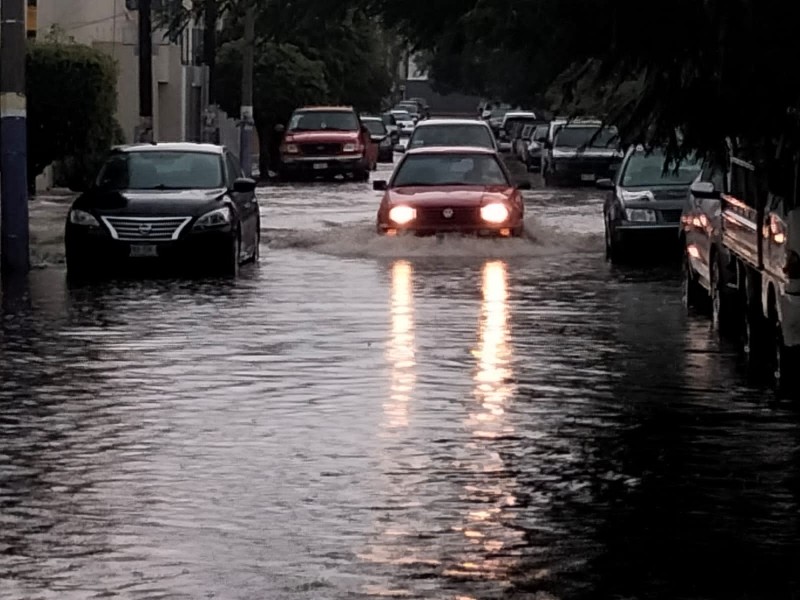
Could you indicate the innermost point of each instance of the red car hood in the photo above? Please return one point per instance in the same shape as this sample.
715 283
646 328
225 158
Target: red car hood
341 137
451 195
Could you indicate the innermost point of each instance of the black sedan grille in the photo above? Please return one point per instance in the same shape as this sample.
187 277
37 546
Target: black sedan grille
447 217
146 229
320 149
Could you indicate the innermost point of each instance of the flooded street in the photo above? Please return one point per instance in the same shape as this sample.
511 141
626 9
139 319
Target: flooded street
358 417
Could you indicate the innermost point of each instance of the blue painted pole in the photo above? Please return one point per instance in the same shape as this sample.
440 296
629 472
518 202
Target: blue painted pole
14 232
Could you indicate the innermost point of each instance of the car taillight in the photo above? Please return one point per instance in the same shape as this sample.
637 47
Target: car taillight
792 267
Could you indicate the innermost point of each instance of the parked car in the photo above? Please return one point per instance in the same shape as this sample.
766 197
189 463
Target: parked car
183 203
645 202
463 190
533 150
411 108
521 140
705 256
424 107
391 126
380 138
581 152
405 123
452 132
325 141
495 119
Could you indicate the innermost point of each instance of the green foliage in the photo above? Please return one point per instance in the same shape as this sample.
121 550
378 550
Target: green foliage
71 93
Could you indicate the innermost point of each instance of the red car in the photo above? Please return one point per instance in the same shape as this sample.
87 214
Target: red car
326 141
440 190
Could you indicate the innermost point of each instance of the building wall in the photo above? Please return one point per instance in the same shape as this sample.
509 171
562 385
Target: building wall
109 27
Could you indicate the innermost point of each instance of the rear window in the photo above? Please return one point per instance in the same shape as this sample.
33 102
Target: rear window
592 137
324 120
451 135
375 127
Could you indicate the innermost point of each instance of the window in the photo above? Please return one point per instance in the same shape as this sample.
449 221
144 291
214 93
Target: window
317 120
647 170
164 170
233 169
450 169
592 137
451 135
375 127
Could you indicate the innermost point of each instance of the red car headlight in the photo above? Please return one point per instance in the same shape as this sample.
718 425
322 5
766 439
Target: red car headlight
495 213
402 214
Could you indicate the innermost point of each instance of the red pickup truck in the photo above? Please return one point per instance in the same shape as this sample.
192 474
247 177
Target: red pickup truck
326 141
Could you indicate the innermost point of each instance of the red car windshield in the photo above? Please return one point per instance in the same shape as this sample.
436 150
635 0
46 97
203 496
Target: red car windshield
317 120
449 169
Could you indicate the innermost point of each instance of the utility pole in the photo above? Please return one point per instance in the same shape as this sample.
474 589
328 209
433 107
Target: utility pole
247 122
14 231
211 127
145 72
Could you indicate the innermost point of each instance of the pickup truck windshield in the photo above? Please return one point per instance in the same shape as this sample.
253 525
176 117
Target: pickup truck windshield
324 120
449 169
645 170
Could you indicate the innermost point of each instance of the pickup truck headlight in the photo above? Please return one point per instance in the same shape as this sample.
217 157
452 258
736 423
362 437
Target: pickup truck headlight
640 215
291 149
214 219
350 148
82 218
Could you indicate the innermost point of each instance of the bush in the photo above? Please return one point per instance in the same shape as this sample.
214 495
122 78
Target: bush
72 99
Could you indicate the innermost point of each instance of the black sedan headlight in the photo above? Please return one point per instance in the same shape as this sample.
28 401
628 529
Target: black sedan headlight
82 218
215 219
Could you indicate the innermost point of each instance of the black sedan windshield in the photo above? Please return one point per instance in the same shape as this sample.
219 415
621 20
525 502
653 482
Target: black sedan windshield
153 170
452 135
318 119
648 171
586 137
449 169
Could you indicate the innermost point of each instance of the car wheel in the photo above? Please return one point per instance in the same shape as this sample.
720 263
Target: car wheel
783 358
615 250
256 256
229 263
722 308
754 344
694 294
361 176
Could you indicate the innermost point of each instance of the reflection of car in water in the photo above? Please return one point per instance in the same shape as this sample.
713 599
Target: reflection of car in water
452 133
581 153
645 202
184 203
439 190
325 141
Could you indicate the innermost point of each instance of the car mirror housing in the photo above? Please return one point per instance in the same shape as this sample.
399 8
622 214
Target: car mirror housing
244 185
380 185
704 189
605 184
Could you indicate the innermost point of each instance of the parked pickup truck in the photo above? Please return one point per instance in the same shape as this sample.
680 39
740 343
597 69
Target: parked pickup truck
760 237
325 141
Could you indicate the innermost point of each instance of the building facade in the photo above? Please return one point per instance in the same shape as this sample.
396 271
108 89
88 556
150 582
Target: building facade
112 26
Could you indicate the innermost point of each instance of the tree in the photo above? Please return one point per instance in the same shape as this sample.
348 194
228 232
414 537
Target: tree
71 92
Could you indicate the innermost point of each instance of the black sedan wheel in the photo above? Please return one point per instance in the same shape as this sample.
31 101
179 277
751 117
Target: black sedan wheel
228 265
615 251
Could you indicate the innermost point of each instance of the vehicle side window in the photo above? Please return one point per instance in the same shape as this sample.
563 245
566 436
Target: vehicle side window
232 169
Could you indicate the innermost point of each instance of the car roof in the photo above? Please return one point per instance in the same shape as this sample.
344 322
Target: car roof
520 113
325 108
430 122
451 150
371 118
172 147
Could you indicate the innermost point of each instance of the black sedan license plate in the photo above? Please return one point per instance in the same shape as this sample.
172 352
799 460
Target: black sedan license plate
144 251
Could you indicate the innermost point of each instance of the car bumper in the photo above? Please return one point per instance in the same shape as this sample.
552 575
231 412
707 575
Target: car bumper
323 165
96 248
472 229
662 234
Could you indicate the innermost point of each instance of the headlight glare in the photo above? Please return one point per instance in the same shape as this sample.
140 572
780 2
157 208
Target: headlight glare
640 215
82 218
402 214
495 213
219 217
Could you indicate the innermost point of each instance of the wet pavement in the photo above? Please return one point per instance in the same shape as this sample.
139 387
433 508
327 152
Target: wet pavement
358 417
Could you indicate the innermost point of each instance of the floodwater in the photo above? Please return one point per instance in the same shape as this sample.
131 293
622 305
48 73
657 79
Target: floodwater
358 417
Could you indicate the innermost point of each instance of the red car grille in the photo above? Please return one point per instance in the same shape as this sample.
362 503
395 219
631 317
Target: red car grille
447 217
323 149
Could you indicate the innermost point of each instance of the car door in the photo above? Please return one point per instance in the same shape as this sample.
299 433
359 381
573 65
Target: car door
246 205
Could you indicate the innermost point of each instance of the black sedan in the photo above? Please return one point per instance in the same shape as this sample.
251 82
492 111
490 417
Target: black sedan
645 202
381 137
177 203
